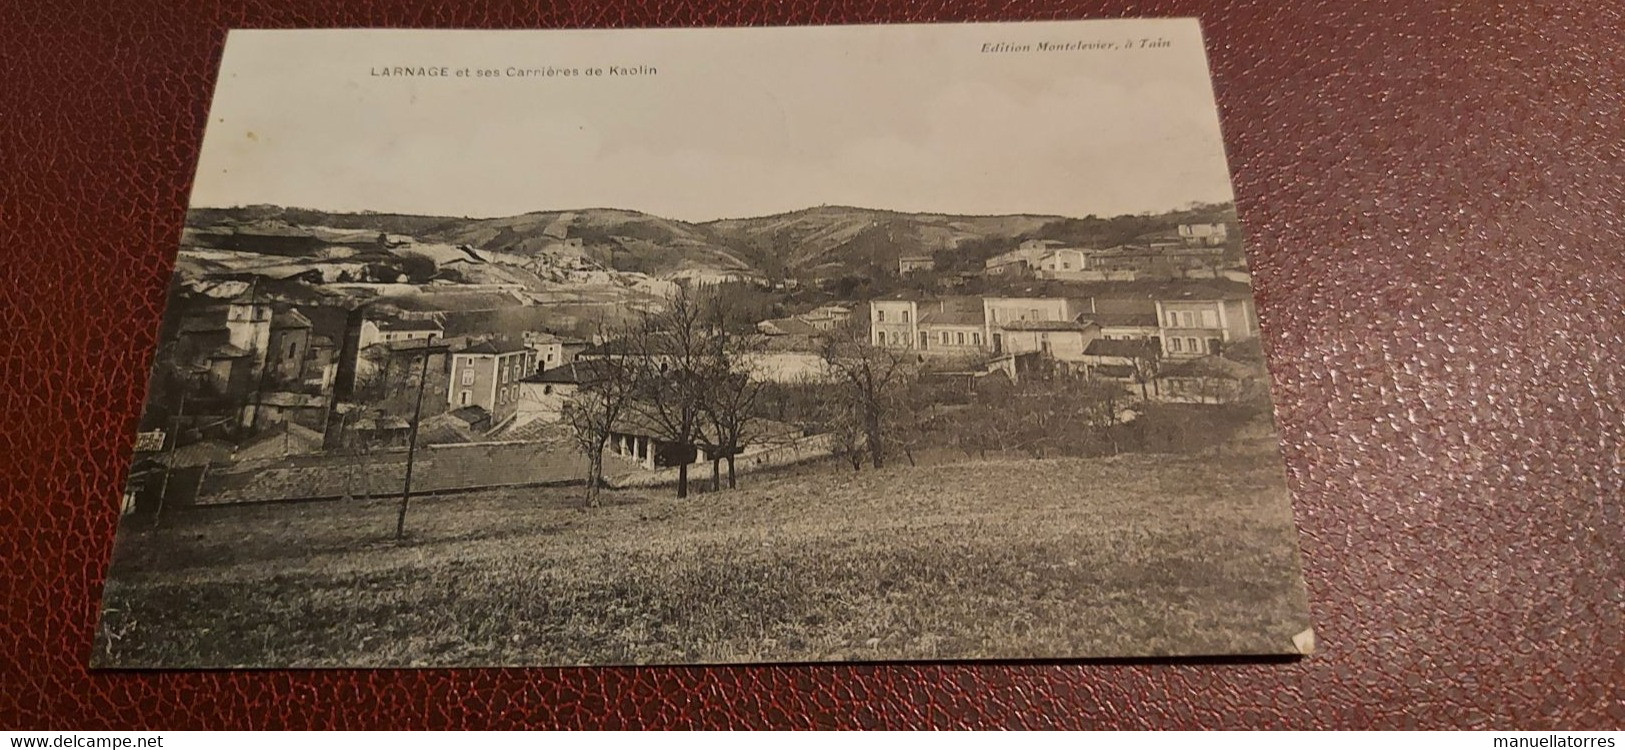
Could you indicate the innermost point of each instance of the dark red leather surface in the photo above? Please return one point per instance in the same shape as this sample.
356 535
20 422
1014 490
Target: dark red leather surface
1435 201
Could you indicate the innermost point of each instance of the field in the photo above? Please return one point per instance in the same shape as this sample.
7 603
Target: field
1133 555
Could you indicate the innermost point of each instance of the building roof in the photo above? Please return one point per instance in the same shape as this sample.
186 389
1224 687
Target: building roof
196 454
414 345
471 415
404 325
320 341
227 351
493 347
285 439
953 317
289 318
1113 371
1043 325
916 258
1119 348
1015 256
441 429
573 373
756 431
788 327
1122 320
541 337
528 430
367 424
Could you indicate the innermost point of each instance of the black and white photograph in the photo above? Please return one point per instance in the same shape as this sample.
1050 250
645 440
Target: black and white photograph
708 346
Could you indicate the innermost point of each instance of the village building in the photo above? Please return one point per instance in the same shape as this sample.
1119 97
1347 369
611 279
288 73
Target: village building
395 330
543 395
1022 261
952 325
288 345
1200 326
827 317
1063 260
1124 326
549 349
894 322
913 263
790 327
280 407
1208 380
487 375
1130 361
1204 235
639 439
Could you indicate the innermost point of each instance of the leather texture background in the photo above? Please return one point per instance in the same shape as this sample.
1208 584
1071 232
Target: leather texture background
1434 197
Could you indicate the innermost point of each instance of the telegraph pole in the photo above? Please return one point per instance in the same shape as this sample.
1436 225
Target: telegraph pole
169 461
412 440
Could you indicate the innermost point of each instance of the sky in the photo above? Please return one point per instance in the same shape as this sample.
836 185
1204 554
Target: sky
732 123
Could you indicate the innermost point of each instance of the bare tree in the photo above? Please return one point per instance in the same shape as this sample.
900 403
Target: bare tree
603 400
672 350
1144 365
845 432
869 375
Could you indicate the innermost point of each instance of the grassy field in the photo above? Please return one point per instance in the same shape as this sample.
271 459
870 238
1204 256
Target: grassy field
1133 555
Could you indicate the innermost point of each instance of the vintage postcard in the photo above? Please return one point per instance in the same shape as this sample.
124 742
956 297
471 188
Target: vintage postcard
870 343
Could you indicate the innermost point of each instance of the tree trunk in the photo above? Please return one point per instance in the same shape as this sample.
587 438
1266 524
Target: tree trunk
716 473
733 480
682 481
909 452
877 454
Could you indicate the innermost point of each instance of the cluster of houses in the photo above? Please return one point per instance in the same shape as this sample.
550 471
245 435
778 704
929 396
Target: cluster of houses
1180 328
260 382
1188 251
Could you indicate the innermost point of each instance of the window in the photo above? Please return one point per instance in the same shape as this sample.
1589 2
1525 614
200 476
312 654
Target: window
925 338
1065 266
463 400
1175 345
894 338
905 316
880 338
468 376
547 390
1173 319
1195 348
293 349
945 338
880 316
976 338
1033 312
1188 318
502 374
1209 319
959 338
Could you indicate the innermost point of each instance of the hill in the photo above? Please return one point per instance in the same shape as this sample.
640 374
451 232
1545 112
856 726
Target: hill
829 239
1059 558
824 241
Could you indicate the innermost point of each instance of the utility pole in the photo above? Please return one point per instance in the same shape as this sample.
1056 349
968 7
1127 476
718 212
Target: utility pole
412 440
169 462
